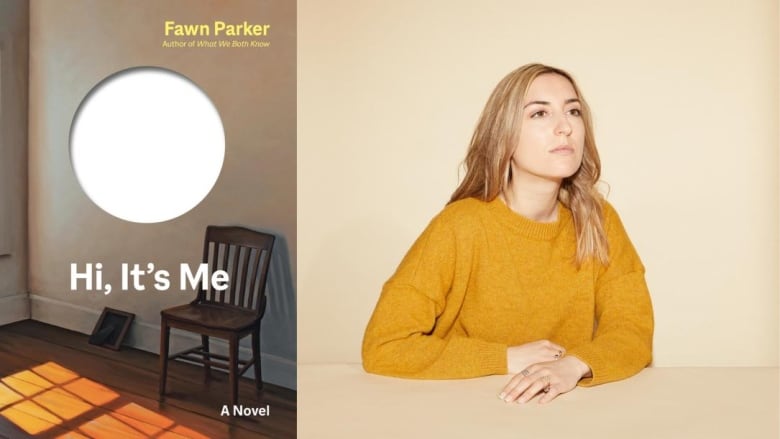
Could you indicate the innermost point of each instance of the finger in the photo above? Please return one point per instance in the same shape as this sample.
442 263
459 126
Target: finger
553 347
551 394
516 386
558 351
552 350
514 389
535 388
513 382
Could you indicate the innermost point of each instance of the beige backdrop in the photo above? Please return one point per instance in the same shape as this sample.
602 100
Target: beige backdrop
73 46
685 96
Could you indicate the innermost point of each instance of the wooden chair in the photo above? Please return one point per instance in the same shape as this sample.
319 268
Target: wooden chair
230 314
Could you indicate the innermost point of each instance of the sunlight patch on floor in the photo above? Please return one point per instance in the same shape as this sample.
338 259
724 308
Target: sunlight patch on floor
50 399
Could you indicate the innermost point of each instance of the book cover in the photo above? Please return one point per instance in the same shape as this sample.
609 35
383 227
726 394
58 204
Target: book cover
129 128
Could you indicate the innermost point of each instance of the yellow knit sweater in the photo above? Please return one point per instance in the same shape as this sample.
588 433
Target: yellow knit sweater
482 278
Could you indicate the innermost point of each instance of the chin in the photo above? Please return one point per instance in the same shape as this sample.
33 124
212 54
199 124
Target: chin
562 174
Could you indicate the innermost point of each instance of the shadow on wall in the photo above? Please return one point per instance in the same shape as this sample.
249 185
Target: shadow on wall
278 334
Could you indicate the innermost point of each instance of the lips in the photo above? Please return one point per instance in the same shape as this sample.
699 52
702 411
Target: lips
563 149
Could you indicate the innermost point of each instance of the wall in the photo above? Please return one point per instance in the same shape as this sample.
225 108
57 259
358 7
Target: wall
14 303
685 97
73 46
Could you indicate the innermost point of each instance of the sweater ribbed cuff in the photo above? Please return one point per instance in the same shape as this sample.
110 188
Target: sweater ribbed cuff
594 361
492 359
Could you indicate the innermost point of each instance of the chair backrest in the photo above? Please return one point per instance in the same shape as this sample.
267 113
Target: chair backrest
245 255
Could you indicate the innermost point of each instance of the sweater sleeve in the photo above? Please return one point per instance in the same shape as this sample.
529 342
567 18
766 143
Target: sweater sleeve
409 334
623 338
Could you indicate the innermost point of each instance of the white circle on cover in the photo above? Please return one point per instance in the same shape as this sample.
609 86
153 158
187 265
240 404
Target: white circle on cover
147 145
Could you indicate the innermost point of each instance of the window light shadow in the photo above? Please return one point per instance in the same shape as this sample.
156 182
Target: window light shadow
52 401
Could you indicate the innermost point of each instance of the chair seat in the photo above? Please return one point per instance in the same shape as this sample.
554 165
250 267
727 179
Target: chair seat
212 316
229 313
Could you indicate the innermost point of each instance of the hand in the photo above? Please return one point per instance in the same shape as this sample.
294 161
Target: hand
549 379
519 358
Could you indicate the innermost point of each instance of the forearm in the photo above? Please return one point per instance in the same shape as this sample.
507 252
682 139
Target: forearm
622 343
614 356
429 357
407 336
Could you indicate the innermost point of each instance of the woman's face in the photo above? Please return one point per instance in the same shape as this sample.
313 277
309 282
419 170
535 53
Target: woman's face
552 134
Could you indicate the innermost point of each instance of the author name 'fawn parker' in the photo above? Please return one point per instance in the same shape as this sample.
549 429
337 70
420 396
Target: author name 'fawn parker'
218 28
240 410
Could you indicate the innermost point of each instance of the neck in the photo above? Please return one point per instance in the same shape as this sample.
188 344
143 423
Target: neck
536 200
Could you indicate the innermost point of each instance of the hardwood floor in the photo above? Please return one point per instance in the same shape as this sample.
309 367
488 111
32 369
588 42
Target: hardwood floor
54 384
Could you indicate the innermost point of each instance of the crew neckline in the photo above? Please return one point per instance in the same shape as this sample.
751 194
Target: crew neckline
526 226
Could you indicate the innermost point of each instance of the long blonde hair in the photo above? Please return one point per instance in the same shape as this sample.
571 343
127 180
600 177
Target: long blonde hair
488 170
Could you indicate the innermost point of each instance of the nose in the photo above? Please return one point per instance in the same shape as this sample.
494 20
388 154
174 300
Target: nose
563 127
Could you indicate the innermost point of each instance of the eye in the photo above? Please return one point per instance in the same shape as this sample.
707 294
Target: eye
575 112
537 114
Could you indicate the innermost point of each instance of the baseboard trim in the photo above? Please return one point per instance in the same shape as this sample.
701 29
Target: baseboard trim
14 308
146 336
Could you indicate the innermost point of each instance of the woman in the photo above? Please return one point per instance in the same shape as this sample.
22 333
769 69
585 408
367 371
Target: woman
527 270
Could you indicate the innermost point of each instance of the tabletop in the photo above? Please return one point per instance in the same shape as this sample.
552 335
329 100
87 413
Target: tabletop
343 401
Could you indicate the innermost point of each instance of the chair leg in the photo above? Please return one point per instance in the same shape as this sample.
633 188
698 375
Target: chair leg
164 340
256 356
204 339
233 369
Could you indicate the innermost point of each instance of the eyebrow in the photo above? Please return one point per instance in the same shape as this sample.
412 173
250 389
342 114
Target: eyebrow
568 101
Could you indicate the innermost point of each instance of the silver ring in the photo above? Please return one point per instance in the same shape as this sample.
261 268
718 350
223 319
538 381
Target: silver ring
525 372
